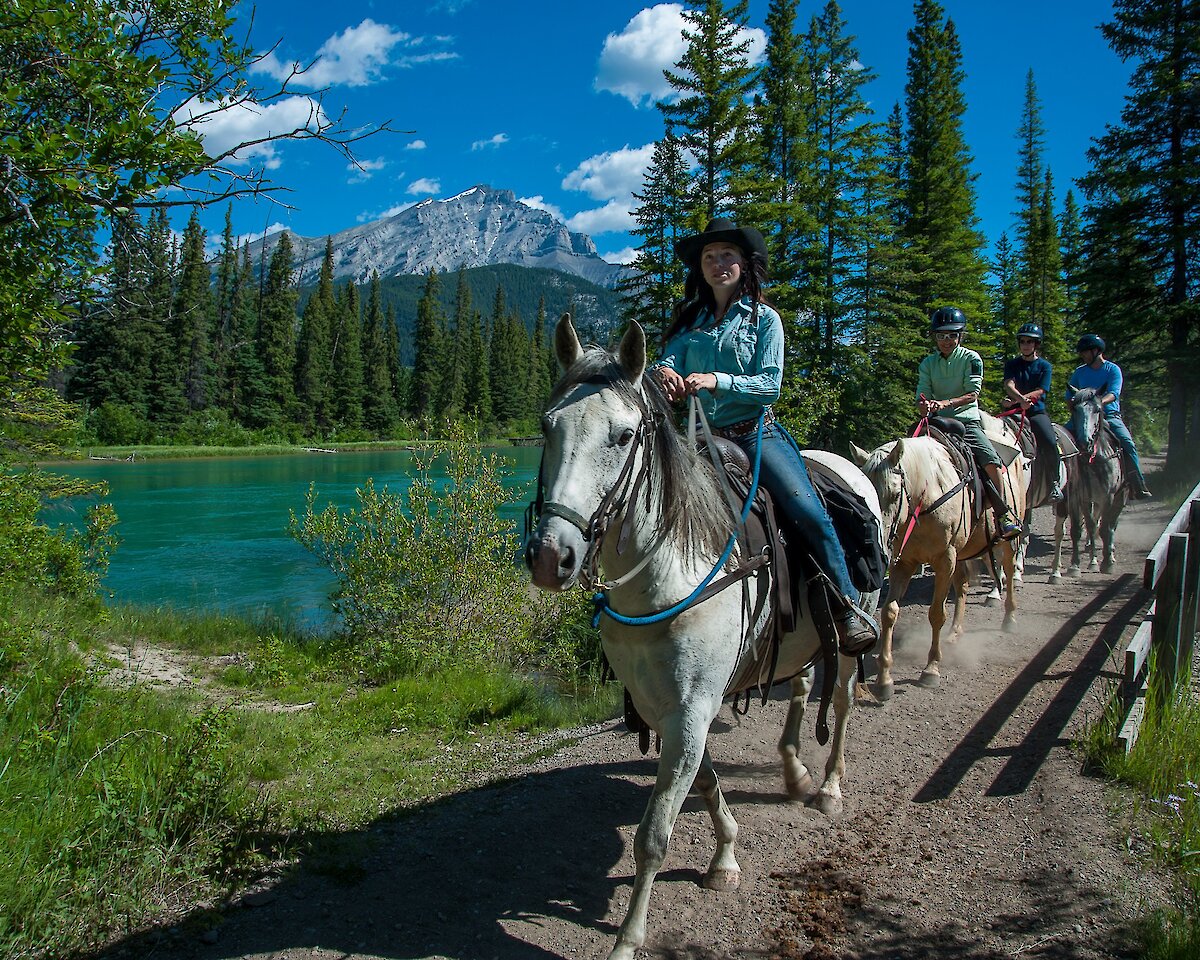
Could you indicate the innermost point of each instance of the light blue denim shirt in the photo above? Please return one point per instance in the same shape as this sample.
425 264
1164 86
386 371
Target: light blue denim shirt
747 358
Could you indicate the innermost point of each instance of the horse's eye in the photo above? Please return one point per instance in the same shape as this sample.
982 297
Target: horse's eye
626 437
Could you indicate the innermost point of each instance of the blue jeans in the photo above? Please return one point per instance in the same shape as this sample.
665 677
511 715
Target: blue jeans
1117 426
785 476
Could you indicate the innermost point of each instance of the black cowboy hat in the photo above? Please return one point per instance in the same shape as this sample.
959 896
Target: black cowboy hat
721 230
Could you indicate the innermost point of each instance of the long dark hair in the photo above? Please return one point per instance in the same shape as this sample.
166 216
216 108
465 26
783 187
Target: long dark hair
697 294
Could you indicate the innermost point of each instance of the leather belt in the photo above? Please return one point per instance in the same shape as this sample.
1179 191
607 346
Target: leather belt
744 428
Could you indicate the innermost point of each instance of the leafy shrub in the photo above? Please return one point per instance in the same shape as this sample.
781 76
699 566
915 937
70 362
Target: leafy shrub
119 424
428 579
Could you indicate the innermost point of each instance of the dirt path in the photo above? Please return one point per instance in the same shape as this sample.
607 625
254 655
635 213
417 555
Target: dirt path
969 830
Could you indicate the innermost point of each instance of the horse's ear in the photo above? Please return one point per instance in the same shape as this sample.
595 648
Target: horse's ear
896 453
858 454
566 342
632 352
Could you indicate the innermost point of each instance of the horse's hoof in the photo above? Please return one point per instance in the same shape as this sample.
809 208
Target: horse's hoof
930 679
800 789
883 691
1055 578
1073 571
1009 625
827 803
1106 568
991 601
722 880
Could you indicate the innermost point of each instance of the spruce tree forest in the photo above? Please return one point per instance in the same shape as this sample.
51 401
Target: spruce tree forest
870 218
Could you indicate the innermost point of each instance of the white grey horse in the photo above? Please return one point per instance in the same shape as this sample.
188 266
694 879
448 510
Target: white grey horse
624 492
1096 490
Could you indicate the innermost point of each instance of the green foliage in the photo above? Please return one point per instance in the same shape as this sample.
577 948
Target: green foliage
119 424
1164 766
427 578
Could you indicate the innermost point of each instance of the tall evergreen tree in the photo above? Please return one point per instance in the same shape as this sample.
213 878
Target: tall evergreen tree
194 317
651 293
714 81
479 378
348 360
539 366
379 391
429 336
1146 173
248 391
314 351
1070 236
1030 181
166 403
452 388
277 335
940 224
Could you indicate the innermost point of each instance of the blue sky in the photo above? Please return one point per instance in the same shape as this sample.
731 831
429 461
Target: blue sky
555 101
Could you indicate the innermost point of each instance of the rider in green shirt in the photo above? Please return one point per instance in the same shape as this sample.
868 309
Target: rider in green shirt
949 382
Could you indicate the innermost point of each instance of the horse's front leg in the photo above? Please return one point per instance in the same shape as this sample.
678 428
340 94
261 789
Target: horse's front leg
796 777
1076 534
1108 536
723 872
1009 561
961 583
1023 546
683 745
1092 537
1060 527
901 575
943 574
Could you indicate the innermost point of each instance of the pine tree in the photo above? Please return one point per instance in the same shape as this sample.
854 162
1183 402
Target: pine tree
348 360
787 152
401 375
940 224
714 79
314 351
247 385
479 393
650 294
452 387
224 322
193 320
1030 181
1070 235
539 368
429 336
277 336
379 391
166 403
1146 176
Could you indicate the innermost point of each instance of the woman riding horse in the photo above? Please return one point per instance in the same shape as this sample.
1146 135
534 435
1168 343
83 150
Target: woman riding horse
726 346
1027 380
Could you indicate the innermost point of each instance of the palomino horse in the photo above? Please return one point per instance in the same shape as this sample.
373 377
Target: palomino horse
1096 489
926 506
613 460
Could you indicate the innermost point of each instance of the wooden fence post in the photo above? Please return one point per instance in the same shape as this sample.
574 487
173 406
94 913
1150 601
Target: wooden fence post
1191 582
1168 615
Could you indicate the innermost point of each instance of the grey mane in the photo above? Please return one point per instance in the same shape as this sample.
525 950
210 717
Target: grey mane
694 511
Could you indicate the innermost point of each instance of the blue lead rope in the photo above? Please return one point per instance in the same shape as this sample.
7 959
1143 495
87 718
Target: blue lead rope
601 599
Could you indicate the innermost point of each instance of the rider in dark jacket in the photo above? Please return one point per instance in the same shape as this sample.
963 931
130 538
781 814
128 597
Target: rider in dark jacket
1027 383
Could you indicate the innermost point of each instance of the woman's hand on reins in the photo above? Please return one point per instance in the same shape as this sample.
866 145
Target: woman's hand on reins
672 384
695 382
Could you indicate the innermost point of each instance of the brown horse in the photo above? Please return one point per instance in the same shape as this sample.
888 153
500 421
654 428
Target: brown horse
927 509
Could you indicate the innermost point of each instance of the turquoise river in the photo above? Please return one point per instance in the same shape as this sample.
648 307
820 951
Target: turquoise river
211 533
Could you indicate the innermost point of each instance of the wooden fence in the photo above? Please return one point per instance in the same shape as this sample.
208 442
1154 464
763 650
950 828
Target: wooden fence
1169 628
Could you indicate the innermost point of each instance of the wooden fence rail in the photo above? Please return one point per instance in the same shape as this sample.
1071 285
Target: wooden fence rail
1172 571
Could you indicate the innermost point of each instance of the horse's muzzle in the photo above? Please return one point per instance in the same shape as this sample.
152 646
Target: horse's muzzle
553 564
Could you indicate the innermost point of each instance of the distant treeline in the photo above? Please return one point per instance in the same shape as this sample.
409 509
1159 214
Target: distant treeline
178 349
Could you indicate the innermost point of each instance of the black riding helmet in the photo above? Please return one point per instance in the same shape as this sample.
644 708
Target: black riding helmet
950 319
1031 330
1090 341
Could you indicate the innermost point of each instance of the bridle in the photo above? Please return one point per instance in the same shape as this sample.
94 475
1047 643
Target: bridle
624 491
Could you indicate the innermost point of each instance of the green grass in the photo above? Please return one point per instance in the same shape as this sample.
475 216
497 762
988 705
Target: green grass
124 806
1164 769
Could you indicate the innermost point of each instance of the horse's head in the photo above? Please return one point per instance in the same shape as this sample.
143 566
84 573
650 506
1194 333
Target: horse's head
1087 417
882 467
595 433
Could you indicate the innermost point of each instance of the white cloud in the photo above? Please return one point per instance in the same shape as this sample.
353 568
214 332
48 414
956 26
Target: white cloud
632 61
415 145
496 141
426 185
369 216
613 217
356 57
223 127
617 174
626 256
539 203
364 170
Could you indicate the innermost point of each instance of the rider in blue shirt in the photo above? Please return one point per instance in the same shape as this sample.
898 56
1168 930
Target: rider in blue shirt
1027 383
726 346
1105 378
